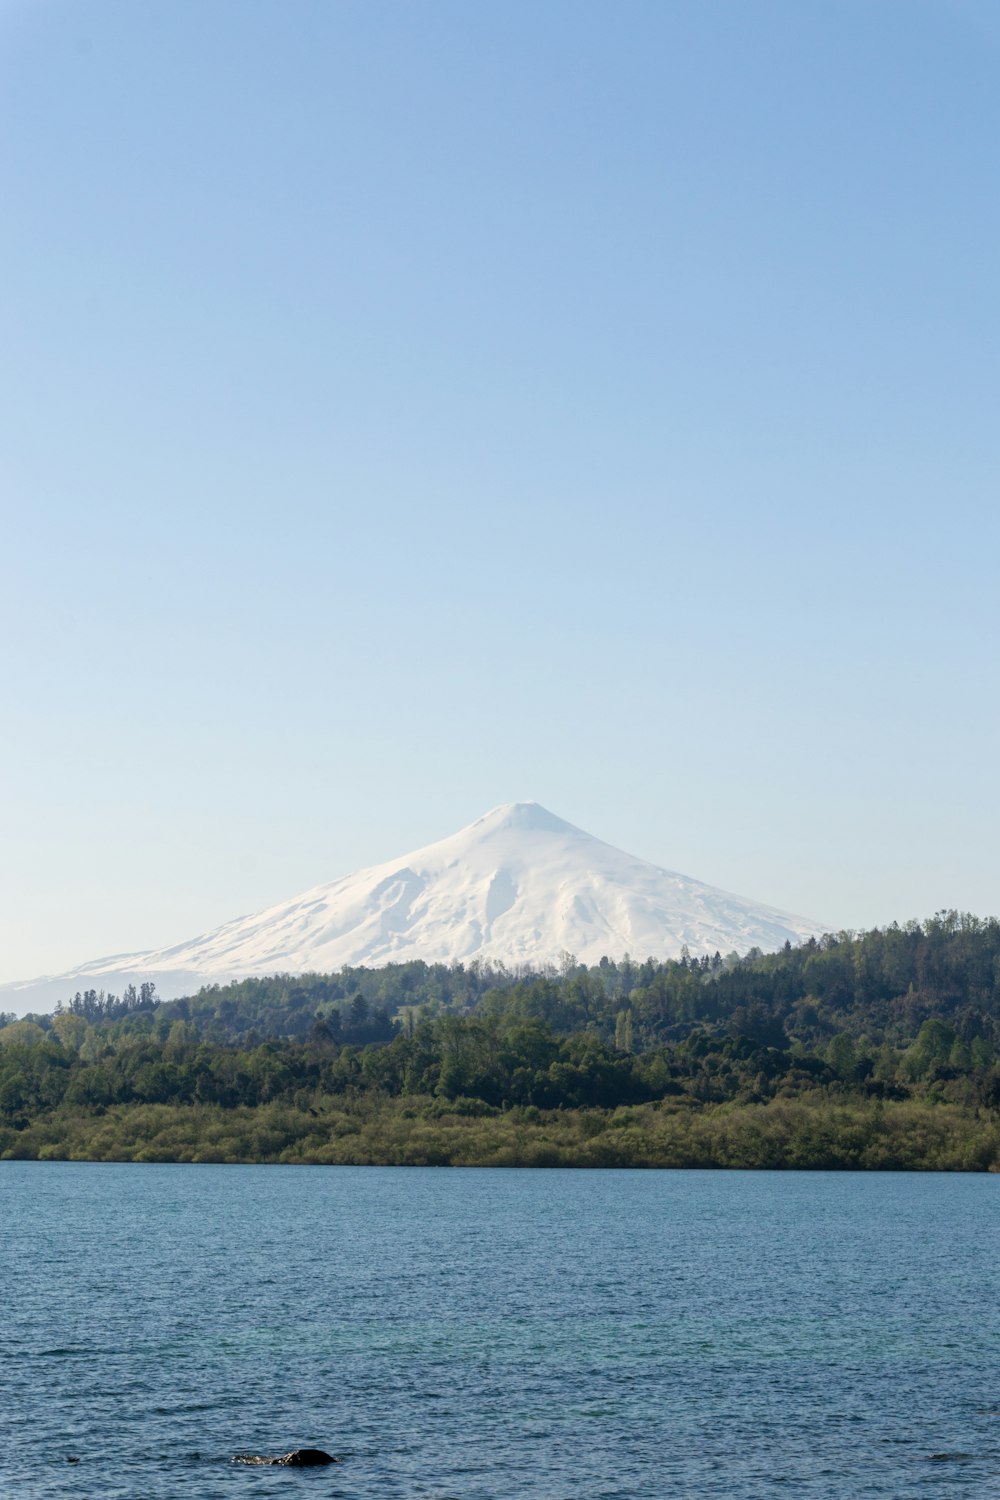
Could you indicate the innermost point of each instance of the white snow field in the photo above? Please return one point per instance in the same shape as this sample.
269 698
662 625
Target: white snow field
519 887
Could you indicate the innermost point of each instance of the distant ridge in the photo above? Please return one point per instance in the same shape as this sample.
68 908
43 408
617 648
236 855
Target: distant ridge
519 886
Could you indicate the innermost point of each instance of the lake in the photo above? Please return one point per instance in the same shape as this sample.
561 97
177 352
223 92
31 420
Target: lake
474 1334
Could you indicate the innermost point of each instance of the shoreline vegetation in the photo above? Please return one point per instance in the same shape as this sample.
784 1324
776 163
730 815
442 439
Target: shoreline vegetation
809 1133
872 1051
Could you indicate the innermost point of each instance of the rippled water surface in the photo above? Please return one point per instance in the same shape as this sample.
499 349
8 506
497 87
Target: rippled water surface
488 1334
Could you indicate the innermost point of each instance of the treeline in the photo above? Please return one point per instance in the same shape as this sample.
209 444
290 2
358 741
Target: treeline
884 1022
488 1067
95 1005
877 987
498 1058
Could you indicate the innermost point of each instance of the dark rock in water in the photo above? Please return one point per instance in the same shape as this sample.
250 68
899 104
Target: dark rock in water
299 1458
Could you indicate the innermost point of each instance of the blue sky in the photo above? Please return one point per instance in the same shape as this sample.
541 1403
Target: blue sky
410 408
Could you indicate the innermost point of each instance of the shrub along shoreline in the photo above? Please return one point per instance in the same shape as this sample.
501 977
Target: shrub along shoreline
807 1133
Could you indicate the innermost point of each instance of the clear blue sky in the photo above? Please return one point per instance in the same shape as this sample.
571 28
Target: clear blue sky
412 407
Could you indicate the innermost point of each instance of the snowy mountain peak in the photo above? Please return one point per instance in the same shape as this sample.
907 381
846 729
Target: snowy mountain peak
518 886
530 816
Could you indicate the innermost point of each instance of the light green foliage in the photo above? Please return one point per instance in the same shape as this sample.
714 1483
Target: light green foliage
21 1034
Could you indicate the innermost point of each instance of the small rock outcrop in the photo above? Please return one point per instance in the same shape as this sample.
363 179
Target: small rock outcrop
299 1458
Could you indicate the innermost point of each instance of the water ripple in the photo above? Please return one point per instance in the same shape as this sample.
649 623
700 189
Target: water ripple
475 1335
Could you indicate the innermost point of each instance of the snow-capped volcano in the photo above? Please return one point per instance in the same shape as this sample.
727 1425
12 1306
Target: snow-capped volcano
519 886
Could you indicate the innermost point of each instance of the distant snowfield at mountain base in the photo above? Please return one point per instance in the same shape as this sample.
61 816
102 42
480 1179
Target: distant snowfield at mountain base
519 887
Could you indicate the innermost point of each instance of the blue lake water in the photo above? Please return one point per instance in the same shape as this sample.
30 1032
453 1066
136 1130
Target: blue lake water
472 1335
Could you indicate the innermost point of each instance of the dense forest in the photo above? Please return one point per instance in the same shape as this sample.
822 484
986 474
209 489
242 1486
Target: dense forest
878 1049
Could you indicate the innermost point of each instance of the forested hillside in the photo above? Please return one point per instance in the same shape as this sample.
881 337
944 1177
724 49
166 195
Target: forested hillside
877 1049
